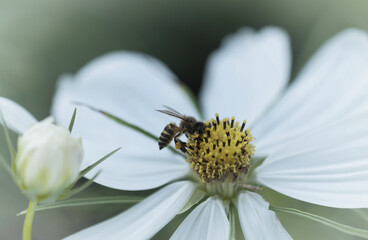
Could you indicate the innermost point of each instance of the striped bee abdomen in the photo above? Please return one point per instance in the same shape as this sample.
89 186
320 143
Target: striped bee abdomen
167 135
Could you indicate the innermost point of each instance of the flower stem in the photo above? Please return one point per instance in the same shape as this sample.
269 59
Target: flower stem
27 228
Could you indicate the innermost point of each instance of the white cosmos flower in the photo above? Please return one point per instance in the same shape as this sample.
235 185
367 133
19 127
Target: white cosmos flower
313 134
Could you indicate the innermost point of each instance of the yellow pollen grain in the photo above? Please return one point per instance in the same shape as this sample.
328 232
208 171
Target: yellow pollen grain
224 150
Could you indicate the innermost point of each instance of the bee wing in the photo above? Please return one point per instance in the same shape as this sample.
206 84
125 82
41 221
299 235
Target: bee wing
171 113
172 110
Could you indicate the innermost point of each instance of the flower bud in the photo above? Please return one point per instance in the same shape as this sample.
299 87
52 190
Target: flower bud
47 161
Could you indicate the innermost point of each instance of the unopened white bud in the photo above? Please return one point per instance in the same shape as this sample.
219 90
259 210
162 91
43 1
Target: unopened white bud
47 160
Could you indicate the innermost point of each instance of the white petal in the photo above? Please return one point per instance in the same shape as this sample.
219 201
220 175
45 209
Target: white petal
16 117
326 167
131 86
206 221
334 84
330 135
247 74
144 219
256 220
139 171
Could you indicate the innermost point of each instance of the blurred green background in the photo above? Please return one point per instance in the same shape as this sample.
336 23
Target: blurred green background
39 40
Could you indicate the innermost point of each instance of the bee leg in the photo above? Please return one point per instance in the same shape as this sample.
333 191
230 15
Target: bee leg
182 146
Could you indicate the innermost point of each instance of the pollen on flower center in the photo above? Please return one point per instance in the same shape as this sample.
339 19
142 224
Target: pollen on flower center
222 151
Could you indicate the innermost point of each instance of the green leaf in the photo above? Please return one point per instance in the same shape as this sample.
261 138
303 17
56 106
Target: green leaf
86 201
362 213
338 226
69 193
197 196
71 124
129 125
7 137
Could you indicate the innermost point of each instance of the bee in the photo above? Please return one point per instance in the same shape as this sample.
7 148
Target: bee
172 131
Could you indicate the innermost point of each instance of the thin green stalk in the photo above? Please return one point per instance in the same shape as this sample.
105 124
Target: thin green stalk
27 228
87 201
362 213
129 125
338 226
5 165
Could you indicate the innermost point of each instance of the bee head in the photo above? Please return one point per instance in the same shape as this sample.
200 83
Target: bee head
190 121
199 128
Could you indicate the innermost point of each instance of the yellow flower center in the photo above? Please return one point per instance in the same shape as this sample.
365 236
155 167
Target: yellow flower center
222 152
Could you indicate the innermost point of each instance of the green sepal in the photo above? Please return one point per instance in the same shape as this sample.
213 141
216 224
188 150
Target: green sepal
7 137
338 226
129 125
236 232
232 219
197 196
71 192
89 168
254 163
11 148
72 120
